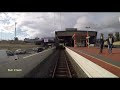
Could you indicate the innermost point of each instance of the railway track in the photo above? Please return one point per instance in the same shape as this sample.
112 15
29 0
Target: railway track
62 67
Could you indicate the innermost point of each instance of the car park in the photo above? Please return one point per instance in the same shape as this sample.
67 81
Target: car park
40 49
35 49
8 55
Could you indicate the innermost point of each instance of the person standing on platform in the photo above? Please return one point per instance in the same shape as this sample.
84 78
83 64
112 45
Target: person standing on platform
101 43
110 41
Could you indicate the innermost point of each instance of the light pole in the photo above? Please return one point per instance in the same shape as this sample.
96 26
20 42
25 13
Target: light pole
87 38
119 19
60 22
15 29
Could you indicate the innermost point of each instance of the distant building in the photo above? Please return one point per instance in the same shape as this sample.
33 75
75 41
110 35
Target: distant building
48 41
66 37
71 29
27 40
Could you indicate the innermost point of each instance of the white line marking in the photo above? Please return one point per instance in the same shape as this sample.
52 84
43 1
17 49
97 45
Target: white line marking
30 55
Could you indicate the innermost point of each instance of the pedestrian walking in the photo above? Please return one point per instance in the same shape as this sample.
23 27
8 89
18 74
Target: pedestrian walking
101 43
110 41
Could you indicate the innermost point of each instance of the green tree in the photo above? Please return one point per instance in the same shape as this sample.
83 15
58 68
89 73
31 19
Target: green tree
117 36
16 38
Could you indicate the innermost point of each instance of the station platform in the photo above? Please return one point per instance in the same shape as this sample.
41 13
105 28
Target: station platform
110 62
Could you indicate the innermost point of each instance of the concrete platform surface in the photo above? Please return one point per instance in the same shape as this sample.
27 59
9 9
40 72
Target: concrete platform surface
110 62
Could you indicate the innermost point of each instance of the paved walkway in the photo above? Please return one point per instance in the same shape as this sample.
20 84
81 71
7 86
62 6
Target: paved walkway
110 62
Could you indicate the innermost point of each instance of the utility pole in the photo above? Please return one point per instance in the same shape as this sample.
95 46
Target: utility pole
15 29
60 22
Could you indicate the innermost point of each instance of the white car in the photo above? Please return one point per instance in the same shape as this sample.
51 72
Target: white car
20 51
7 55
35 49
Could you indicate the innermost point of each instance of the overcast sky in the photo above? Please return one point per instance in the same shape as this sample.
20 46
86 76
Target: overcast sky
44 24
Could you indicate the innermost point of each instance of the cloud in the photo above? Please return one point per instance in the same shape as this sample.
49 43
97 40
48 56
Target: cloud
44 24
100 22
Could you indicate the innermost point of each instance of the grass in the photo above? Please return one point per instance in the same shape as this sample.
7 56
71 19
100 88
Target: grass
115 43
13 47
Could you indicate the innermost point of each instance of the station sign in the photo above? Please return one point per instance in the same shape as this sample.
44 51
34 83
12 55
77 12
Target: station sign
45 40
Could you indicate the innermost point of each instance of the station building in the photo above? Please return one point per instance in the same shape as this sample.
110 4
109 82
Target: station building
73 37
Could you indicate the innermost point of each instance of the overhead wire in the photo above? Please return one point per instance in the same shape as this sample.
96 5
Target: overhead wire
54 26
60 22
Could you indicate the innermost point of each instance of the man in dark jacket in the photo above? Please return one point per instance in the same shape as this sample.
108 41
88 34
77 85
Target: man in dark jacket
101 43
110 41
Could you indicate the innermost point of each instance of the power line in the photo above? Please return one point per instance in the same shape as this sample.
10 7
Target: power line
15 28
60 23
54 21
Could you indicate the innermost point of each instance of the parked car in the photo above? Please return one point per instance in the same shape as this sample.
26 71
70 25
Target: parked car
7 55
40 49
35 49
20 51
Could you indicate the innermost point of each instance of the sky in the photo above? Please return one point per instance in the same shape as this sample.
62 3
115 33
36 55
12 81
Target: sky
44 24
